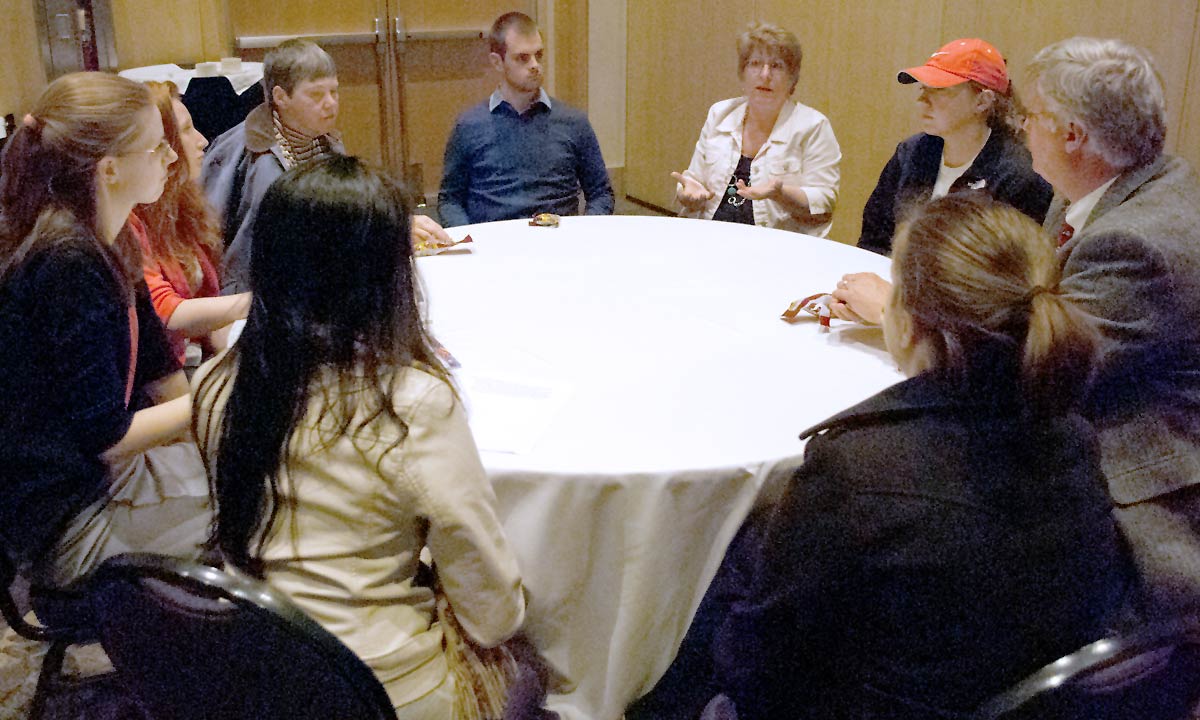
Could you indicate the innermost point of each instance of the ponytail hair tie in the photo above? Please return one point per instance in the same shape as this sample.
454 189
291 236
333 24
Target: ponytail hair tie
32 123
1038 290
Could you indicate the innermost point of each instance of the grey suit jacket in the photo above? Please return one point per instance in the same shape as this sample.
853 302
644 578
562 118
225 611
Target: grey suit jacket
1135 267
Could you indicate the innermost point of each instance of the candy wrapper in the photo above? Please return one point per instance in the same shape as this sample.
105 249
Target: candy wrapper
424 249
545 220
816 305
444 354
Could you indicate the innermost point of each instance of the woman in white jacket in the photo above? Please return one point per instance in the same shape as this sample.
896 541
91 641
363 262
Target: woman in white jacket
763 158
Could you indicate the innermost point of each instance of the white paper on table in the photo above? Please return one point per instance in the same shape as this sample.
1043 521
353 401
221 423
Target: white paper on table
510 414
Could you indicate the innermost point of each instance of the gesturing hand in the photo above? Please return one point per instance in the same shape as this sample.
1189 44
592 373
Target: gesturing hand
690 193
759 192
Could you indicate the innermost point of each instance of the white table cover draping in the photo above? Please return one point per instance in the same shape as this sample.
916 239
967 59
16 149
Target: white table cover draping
683 393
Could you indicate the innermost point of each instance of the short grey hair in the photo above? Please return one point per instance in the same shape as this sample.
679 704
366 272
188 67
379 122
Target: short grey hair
1111 89
293 62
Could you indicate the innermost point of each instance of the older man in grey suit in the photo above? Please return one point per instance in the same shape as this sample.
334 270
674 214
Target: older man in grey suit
1127 221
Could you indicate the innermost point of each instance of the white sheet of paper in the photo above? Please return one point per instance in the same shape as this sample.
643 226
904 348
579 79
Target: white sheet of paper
510 414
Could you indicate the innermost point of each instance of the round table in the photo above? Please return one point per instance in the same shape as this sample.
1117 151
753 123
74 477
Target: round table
632 389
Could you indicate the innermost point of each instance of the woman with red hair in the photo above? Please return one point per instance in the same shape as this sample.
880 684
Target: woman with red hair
180 240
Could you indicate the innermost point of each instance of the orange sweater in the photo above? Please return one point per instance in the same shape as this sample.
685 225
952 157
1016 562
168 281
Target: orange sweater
168 282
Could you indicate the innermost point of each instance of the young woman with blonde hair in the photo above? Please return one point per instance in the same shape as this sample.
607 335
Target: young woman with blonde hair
180 239
93 408
951 534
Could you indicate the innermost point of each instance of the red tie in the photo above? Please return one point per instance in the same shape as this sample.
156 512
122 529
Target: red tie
1065 233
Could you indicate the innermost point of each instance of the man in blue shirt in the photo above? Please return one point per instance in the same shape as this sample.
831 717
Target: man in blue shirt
521 153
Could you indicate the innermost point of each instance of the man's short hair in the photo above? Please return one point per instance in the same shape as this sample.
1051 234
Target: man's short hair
294 61
519 21
1111 89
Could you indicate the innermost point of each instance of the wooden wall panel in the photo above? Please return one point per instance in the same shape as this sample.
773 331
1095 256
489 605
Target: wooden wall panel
849 73
149 32
23 77
571 52
852 52
441 79
680 61
1185 139
215 30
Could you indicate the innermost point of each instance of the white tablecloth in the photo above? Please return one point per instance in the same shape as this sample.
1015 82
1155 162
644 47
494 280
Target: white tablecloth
249 74
657 390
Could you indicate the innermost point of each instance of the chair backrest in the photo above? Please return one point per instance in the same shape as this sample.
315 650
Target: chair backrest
11 602
61 616
1152 672
192 641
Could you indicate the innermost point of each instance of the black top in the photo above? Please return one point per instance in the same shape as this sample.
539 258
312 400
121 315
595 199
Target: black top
734 207
1003 169
64 363
933 549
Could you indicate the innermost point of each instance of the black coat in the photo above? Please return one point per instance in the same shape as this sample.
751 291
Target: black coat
1002 169
933 549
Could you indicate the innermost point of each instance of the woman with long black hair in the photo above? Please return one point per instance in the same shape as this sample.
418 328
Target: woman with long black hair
338 449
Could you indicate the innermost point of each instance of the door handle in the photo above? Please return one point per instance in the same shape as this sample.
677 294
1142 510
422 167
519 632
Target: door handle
398 22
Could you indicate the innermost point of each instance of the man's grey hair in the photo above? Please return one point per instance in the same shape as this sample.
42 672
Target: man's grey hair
1111 89
294 61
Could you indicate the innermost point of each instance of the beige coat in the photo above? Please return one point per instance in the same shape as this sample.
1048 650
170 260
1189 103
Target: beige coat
349 552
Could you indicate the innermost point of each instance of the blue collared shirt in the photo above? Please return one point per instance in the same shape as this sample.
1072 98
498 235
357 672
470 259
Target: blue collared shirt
504 165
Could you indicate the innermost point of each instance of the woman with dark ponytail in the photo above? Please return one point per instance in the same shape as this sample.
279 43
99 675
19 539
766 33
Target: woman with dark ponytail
338 449
94 408
951 534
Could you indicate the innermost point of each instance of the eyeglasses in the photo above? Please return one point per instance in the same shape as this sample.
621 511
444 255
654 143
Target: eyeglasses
161 150
757 64
1029 115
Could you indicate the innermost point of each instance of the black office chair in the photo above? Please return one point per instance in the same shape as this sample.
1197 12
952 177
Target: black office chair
194 642
1153 672
70 625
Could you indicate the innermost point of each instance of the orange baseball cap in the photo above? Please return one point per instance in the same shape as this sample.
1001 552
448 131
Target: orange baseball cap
959 61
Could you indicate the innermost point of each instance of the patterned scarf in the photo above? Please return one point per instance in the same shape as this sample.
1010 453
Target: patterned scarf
297 147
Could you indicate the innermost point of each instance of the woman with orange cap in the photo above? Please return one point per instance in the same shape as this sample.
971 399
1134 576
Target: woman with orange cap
968 141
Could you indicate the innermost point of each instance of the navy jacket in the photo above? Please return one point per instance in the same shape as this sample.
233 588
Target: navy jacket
1002 168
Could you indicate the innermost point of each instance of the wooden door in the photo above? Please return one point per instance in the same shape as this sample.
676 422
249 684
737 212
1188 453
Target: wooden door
354 33
440 51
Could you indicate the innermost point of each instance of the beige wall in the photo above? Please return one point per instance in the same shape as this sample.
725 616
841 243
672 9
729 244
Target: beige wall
21 77
150 32
852 51
606 78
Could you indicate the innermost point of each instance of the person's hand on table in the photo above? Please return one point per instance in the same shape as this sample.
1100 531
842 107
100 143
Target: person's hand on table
428 234
690 193
860 297
769 191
